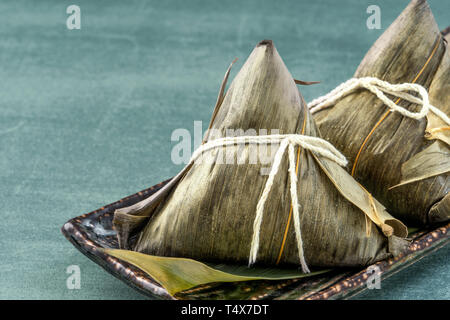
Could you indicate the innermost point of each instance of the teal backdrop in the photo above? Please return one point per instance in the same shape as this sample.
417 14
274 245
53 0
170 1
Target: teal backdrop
86 115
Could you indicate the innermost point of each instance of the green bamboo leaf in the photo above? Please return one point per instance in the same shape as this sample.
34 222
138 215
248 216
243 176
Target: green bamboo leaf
179 274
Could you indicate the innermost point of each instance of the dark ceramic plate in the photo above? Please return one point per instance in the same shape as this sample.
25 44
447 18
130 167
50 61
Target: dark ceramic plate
94 230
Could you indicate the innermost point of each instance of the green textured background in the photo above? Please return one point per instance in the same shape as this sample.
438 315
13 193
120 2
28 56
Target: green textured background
87 115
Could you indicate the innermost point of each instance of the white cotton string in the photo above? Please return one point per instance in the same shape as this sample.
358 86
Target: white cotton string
379 88
295 206
262 201
317 145
314 144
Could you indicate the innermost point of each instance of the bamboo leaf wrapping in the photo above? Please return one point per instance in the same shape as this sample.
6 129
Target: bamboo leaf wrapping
378 142
434 158
208 214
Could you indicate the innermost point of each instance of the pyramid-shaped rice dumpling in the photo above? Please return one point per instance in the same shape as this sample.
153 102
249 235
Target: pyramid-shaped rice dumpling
207 212
403 162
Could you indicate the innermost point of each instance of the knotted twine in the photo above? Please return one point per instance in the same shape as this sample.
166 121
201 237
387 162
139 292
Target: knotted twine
286 141
379 87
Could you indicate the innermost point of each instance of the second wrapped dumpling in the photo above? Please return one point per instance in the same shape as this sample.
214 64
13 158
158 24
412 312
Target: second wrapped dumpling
399 153
209 211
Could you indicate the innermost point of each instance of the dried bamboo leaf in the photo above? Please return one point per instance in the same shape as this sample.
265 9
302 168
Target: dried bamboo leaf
439 94
437 129
129 219
377 141
305 83
221 95
440 210
179 274
361 198
432 161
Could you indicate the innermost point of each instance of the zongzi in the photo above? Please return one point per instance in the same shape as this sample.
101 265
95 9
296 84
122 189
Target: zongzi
308 211
398 148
